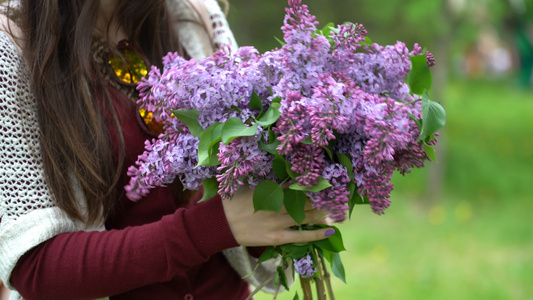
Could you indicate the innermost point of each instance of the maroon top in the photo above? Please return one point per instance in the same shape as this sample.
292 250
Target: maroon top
157 248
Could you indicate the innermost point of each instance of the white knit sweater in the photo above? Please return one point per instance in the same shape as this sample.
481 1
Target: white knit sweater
28 215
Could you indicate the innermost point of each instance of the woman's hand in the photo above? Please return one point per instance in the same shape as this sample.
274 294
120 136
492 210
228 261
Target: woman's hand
268 228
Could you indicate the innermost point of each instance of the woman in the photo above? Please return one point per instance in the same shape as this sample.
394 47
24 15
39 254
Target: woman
70 129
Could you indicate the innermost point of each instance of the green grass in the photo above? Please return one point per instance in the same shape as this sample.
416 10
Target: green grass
476 240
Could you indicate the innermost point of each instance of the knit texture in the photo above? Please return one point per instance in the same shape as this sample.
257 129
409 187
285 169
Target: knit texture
27 210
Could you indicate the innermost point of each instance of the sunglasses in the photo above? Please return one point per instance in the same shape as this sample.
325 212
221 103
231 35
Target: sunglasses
129 67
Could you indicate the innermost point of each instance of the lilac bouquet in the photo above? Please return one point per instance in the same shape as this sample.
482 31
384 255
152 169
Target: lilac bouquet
330 114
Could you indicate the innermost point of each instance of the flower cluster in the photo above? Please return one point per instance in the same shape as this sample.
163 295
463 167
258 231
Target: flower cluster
329 115
305 266
346 116
241 158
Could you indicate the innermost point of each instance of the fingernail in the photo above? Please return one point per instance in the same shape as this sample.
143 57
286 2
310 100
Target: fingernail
330 232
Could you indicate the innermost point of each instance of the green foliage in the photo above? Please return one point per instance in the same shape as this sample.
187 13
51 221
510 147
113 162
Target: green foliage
270 252
190 118
234 127
281 277
271 115
268 195
296 297
255 102
270 148
280 167
334 243
208 145
210 186
294 202
338 268
346 161
321 185
433 118
419 77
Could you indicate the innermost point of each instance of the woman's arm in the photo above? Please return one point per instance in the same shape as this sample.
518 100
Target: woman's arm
88 265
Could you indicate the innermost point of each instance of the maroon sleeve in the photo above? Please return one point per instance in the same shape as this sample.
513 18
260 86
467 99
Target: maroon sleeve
89 265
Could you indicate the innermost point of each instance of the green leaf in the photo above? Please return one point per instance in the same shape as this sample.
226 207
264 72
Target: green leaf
419 78
430 152
190 118
351 203
282 43
328 255
270 117
234 127
294 251
282 277
358 199
329 152
255 102
268 195
296 296
213 158
433 117
291 173
272 137
308 141
210 188
276 100
326 31
338 268
294 202
334 243
236 108
346 162
280 168
269 253
270 148
367 42
208 146
417 121
322 184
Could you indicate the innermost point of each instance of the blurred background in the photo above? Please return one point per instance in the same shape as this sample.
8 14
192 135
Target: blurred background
461 228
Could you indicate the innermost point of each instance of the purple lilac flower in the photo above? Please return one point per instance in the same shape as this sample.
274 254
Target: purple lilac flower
305 266
291 127
324 113
334 200
416 50
349 37
241 158
389 129
308 161
162 161
430 59
342 95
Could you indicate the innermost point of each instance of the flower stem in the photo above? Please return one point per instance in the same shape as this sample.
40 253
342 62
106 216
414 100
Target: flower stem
260 287
277 290
319 280
327 278
320 290
306 288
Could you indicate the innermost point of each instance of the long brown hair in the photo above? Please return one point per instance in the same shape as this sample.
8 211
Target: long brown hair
57 37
